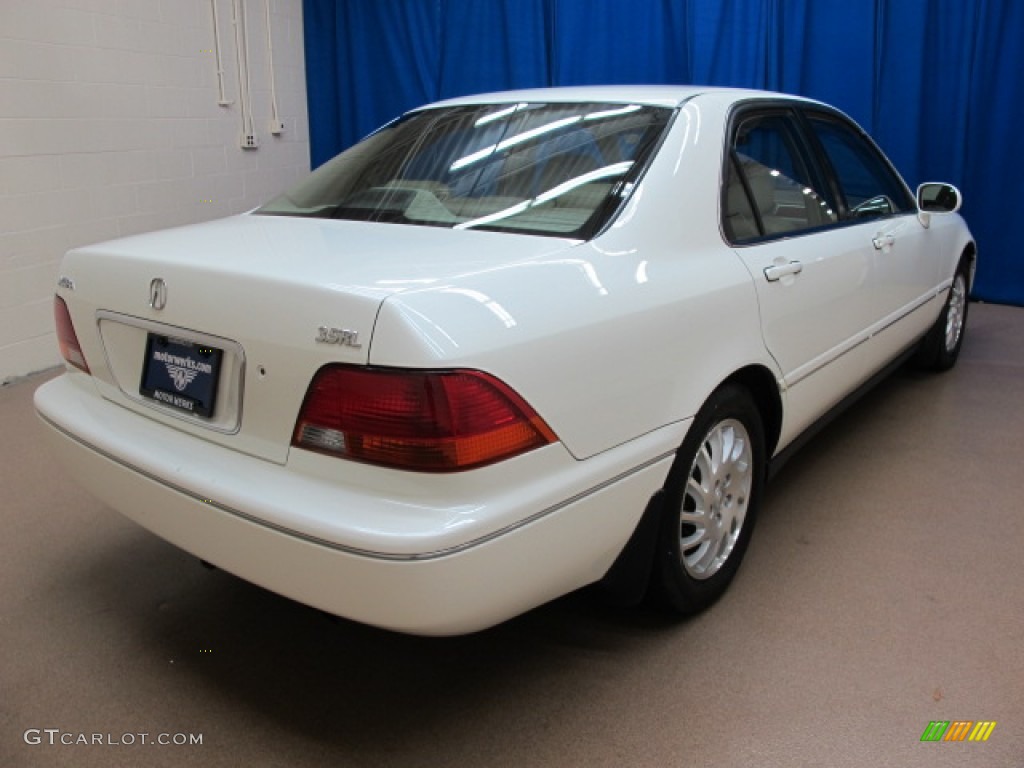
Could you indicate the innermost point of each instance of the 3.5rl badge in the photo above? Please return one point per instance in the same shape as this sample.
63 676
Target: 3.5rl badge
341 336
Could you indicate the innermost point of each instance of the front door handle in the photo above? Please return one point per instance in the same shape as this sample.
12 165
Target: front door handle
779 271
881 242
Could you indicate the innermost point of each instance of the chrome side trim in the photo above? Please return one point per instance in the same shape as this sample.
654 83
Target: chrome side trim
422 557
826 359
908 311
851 344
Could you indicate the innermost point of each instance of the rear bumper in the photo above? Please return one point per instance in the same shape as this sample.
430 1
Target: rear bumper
440 555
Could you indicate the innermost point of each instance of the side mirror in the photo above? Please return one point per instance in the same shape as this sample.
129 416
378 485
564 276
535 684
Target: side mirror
936 197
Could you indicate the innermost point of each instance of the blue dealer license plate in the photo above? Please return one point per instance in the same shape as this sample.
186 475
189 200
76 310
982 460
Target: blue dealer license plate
181 374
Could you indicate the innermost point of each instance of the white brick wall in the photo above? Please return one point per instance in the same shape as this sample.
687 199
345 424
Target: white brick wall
109 126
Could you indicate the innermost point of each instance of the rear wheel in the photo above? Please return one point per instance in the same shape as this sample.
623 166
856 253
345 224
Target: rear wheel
711 496
941 346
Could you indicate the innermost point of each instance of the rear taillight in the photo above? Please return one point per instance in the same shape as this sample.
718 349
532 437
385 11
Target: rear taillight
70 349
434 421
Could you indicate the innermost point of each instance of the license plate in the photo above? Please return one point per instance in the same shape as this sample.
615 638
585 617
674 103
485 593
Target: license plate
181 374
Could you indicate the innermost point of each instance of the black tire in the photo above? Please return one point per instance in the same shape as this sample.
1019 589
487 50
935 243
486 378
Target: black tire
940 347
692 576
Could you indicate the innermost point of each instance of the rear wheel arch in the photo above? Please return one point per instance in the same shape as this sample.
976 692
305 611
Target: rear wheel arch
629 577
710 500
763 388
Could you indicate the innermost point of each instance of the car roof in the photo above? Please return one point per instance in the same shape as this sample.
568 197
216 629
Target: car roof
652 95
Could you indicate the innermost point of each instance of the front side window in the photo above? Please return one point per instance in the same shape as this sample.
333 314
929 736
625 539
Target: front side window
547 169
867 182
769 189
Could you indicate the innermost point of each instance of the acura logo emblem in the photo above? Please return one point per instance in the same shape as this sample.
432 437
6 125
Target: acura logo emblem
157 293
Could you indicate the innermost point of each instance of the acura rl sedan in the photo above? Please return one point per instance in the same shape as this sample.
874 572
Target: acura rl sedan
506 346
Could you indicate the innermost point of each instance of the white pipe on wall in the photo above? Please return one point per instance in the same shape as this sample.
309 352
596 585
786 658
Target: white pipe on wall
276 126
249 138
222 96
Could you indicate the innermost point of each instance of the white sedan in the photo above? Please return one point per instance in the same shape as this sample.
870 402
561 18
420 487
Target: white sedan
505 347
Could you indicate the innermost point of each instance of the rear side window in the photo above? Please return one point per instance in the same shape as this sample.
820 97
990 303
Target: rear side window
769 188
868 184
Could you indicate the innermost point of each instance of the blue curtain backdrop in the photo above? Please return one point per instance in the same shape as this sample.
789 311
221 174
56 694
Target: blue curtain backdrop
938 83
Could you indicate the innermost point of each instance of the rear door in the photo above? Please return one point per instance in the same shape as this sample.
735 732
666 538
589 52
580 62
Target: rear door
816 225
810 274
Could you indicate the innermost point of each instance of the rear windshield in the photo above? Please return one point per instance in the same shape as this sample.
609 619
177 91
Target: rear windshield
545 169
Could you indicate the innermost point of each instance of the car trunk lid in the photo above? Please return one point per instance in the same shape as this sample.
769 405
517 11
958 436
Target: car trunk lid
243 311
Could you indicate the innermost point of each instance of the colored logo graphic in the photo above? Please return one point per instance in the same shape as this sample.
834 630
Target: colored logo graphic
958 730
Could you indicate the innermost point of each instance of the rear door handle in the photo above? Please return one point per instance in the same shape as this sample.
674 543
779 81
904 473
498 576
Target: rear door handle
779 271
881 242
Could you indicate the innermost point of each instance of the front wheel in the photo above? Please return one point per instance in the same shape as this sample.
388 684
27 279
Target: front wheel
941 347
711 495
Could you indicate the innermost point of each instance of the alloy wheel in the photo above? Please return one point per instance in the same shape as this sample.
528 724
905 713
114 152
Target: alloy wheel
955 311
716 498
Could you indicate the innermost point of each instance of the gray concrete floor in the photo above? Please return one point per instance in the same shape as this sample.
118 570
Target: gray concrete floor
882 590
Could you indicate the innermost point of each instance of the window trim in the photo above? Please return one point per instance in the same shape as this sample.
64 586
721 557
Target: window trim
814 157
790 110
827 114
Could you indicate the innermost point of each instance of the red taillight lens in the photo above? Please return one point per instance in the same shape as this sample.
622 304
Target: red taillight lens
70 349
435 421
